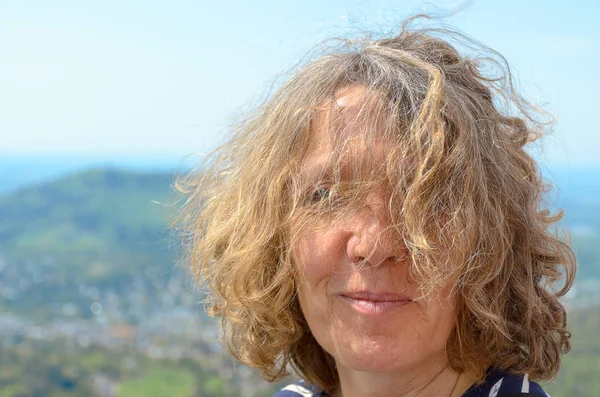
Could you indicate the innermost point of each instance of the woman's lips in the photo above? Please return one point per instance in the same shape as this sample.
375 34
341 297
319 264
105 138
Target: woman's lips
370 303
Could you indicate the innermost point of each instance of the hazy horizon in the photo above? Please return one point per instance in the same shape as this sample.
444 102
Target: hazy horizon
21 171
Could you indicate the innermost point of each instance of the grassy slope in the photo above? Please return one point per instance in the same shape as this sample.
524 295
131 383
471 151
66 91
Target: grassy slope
103 214
101 227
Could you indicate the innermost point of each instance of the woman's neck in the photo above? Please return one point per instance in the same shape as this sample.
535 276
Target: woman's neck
438 382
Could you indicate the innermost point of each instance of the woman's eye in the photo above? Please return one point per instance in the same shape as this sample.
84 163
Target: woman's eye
320 194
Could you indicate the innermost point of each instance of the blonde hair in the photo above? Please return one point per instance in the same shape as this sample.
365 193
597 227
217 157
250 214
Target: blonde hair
469 205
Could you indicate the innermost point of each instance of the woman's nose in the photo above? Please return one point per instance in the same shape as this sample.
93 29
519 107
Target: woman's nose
373 238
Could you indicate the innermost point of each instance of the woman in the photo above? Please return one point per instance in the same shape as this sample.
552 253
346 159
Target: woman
377 227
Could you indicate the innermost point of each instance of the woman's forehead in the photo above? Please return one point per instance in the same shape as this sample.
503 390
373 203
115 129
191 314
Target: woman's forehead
342 132
350 96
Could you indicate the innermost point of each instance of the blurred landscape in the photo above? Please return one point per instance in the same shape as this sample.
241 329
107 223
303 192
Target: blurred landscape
94 300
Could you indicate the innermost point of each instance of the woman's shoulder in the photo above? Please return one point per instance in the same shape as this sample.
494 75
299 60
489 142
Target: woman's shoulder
299 389
503 384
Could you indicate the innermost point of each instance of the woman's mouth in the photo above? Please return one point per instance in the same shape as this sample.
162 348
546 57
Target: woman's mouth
369 303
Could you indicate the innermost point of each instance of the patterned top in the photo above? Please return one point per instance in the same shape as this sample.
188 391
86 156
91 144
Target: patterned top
496 384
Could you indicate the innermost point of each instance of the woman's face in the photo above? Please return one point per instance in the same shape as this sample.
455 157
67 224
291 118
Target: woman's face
354 286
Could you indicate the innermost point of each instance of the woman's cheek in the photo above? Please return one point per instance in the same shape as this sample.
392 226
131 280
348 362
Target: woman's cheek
324 255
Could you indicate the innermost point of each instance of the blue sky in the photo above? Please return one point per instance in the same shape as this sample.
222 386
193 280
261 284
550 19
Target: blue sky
164 79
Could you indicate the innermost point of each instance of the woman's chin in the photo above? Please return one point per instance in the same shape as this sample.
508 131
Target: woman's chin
375 354
382 353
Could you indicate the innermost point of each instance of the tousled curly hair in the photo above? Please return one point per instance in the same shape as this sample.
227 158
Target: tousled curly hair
470 204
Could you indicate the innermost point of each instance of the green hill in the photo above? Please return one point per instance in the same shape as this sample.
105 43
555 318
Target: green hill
95 211
100 228
91 295
100 212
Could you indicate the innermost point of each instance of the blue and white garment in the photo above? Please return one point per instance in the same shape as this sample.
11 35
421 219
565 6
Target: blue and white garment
496 384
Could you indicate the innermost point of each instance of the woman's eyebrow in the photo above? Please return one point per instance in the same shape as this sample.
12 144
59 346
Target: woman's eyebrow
318 168
315 170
